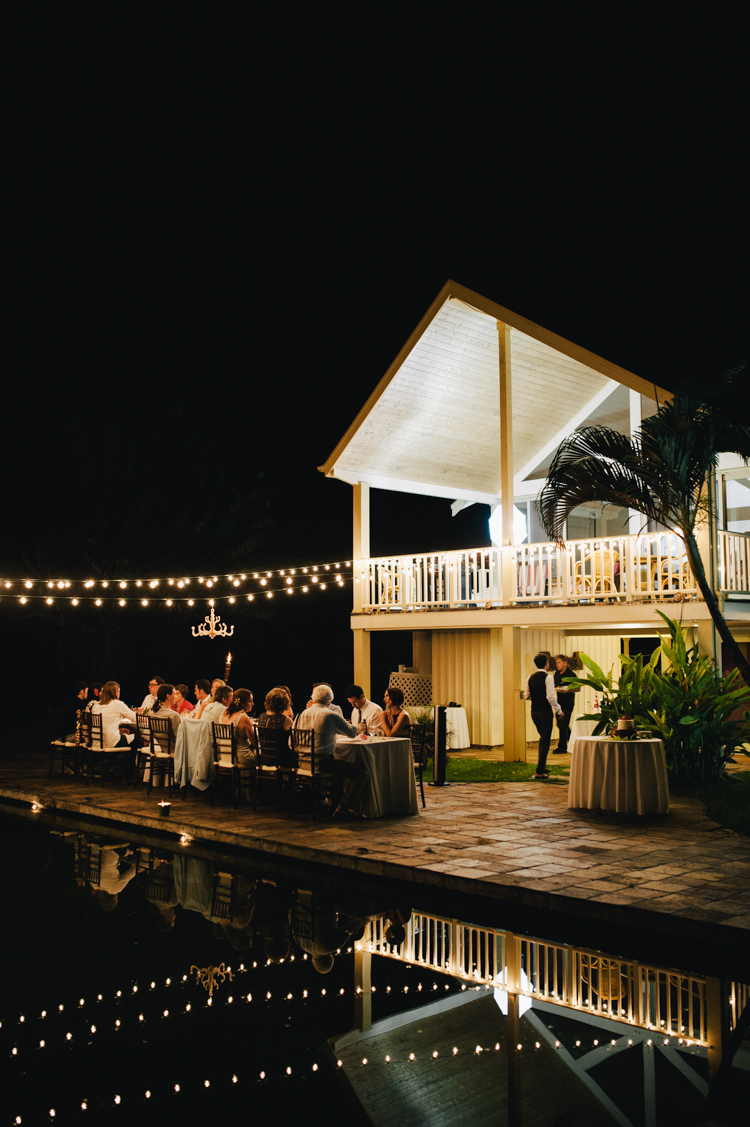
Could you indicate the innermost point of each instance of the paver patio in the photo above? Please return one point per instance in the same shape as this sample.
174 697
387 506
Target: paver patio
516 842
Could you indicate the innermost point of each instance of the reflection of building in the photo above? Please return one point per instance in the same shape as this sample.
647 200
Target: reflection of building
472 410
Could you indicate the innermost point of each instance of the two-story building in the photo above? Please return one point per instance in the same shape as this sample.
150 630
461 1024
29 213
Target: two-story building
472 410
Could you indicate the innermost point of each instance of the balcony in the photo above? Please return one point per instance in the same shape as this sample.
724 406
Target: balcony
622 569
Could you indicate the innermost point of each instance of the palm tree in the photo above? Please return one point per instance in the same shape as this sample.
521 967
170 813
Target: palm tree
663 471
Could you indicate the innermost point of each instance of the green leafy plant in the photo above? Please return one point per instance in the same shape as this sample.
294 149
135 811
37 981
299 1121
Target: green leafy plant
689 705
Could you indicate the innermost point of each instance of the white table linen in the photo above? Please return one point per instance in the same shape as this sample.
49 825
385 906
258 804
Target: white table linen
458 728
580 728
627 776
194 755
390 766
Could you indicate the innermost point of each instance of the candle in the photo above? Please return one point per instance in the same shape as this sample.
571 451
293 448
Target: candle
165 808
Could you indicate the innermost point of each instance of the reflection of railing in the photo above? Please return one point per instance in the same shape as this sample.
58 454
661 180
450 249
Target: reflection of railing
618 568
619 989
734 562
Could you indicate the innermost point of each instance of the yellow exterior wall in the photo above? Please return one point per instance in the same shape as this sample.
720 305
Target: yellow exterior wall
467 667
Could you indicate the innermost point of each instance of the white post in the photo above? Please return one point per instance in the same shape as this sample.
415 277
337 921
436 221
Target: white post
361 573
508 567
635 520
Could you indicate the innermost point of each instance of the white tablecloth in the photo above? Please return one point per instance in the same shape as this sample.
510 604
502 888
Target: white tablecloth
194 754
628 776
458 728
580 728
390 766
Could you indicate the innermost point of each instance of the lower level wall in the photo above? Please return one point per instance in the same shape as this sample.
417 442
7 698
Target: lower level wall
467 667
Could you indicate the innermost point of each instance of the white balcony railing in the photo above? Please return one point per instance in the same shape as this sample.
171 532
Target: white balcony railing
617 568
733 550
620 989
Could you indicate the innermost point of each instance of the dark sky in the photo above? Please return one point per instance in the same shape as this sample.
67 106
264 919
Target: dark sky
218 238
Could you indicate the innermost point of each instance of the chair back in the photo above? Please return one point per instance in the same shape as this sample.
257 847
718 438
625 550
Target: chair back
303 742
91 730
224 739
273 747
143 728
162 735
419 744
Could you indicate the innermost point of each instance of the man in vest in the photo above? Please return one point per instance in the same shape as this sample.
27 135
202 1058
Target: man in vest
540 690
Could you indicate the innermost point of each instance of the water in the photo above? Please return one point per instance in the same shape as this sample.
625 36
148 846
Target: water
172 981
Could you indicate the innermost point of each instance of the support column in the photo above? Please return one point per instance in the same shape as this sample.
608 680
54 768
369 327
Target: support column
509 581
362 660
360 573
514 717
362 990
636 520
494 701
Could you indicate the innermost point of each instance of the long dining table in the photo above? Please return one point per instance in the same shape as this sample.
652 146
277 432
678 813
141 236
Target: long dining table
390 764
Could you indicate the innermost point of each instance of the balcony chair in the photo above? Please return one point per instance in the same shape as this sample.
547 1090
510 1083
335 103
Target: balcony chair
274 760
600 579
226 766
143 753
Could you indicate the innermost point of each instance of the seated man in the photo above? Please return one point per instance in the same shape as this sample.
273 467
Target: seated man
150 698
202 693
217 683
214 709
327 725
364 711
331 706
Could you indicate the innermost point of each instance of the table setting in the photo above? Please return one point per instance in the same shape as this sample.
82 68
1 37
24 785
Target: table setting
390 765
624 771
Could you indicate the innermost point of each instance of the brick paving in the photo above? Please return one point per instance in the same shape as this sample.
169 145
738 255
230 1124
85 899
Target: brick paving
516 842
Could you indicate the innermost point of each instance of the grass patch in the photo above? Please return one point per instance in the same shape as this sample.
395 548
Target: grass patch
727 803
460 770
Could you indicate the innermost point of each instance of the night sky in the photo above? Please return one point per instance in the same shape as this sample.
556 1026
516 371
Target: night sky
217 241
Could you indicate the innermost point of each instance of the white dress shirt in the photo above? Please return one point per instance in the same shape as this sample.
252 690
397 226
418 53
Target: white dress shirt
112 715
327 726
371 713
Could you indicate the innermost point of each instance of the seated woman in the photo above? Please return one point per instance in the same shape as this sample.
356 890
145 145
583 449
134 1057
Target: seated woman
289 710
396 720
278 706
181 703
163 709
113 712
237 713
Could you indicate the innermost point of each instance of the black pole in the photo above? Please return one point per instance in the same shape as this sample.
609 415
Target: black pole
439 758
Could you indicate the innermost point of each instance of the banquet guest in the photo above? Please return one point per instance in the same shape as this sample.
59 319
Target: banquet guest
95 689
202 691
326 725
566 699
216 683
278 707
364 711
237 713
77 704
113 712
396 720
289 710
181 703
540 690
332 707
150 698
215 708
164 707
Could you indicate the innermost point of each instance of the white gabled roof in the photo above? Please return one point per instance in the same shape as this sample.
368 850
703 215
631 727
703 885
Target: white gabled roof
432 425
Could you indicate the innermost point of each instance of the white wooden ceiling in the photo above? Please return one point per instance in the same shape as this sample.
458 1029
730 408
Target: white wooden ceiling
433 425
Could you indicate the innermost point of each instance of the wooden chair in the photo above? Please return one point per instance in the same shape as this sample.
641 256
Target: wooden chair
305 774
224 889
143 753
419 751
596 579
162 737
100 760
66 751
224 739
274 760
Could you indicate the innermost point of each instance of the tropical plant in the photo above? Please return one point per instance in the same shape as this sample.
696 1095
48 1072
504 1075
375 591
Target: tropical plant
689 704
663 472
